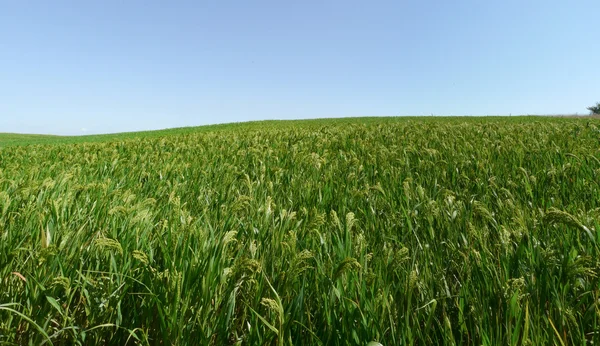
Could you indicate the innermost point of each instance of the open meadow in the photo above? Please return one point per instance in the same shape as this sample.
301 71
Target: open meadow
428 231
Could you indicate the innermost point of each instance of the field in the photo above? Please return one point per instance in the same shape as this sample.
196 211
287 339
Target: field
471 231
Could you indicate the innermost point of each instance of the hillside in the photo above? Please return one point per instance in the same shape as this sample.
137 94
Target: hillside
7 139
332 231
11 139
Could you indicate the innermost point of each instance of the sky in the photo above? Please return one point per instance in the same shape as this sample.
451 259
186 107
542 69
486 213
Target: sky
82 67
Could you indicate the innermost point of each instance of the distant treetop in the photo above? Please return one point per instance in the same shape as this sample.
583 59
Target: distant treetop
595 109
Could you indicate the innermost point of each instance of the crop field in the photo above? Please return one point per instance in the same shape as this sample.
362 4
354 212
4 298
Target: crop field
391 231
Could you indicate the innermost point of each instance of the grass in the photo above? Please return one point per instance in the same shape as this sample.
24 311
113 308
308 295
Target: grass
7 139
13 139
475 231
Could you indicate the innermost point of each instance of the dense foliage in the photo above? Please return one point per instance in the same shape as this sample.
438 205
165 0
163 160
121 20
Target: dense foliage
398 231
595 109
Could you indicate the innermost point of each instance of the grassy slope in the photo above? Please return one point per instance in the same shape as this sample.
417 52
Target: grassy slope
12 139
400 230
7 139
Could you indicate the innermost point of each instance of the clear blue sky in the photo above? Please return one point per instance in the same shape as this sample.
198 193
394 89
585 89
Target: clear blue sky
75 67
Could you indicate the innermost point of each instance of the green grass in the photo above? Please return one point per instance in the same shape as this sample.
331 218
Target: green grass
12 139
7 139
475 231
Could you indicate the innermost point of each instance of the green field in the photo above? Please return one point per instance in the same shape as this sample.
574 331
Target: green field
428 231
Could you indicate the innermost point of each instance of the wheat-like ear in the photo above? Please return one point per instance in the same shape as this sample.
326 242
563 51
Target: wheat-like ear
272 305
350 221
46 237
229 237
555 216
62 281
108 244
481 211
20 276
344 266
140 256
5 202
